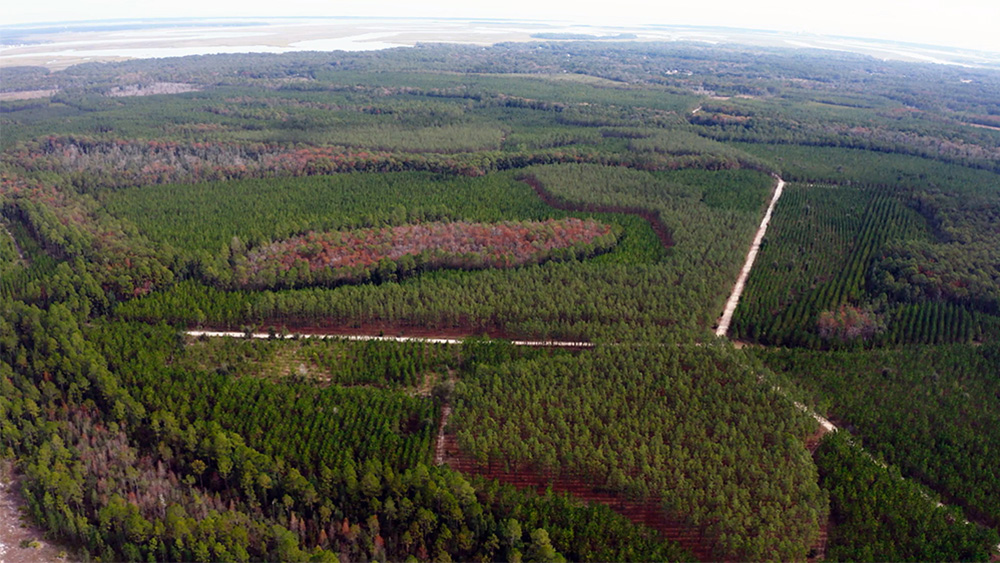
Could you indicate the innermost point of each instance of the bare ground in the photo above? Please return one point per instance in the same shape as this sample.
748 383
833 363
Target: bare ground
362 336
17 248
981 126
16 529
440 450
151 89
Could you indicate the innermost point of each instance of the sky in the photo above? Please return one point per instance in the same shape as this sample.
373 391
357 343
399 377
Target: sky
971 24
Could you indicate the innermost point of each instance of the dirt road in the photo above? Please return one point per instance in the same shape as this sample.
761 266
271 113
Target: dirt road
439 451
17 248
367 337
734 298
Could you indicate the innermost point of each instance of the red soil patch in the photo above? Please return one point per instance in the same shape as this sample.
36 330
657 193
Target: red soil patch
812 442
645 512
659 227
818 551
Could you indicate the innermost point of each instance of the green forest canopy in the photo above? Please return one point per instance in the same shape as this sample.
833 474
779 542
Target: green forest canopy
132 215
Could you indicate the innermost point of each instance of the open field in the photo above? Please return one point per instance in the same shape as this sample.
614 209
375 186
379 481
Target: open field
27 95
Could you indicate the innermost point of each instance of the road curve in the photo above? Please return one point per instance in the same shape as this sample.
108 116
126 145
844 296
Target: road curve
734 298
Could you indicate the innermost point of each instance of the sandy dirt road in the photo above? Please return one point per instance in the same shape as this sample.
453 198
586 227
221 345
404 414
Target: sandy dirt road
366 338
734 298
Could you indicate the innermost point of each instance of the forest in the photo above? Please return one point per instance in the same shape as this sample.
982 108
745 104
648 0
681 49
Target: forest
592 195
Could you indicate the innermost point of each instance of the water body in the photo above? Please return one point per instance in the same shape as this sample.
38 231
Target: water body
76 49
64 45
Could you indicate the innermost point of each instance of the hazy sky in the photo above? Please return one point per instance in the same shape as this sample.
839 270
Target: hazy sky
960 23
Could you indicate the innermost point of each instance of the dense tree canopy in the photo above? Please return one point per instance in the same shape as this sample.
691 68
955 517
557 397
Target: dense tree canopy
606 192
